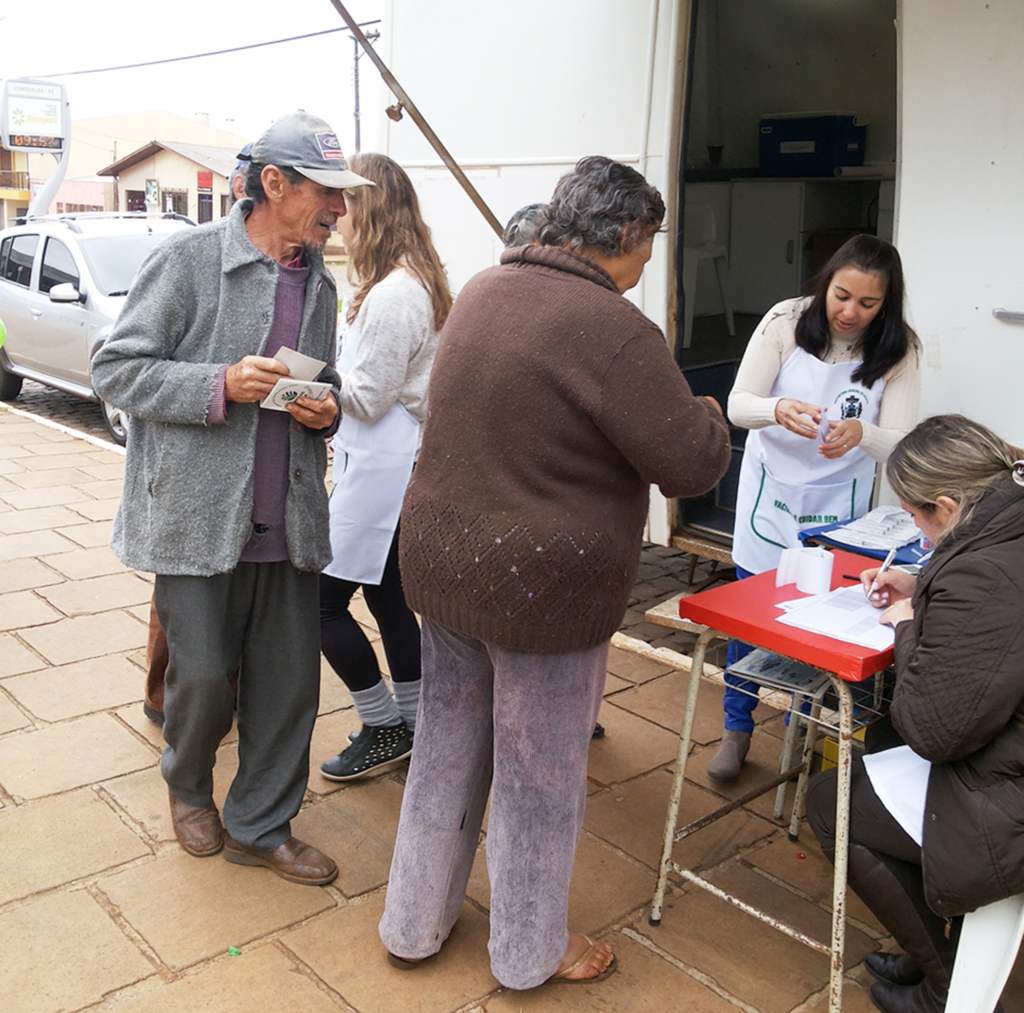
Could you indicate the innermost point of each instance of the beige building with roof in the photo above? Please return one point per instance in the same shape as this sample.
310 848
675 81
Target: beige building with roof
173 176
101 142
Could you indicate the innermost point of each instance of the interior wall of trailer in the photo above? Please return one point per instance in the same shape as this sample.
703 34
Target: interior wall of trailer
786 56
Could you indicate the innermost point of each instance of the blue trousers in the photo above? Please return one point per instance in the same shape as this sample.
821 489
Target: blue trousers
738 706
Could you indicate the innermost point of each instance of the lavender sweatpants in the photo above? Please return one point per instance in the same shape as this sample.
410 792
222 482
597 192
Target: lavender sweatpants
517 725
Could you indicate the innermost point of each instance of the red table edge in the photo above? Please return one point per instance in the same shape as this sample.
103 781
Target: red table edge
745 609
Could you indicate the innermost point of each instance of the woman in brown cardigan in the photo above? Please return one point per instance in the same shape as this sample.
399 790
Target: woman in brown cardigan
553 404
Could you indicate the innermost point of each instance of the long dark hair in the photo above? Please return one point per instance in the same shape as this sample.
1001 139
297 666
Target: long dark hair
888 338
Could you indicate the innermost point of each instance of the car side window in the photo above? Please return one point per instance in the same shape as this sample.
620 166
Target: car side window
17 259
58 266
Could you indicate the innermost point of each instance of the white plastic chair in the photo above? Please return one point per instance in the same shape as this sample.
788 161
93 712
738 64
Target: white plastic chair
989 941
700 242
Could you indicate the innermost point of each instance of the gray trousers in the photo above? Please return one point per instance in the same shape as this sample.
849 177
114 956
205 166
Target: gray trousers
517 725
266 616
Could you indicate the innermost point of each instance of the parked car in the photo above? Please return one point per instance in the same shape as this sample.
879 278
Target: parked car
63 280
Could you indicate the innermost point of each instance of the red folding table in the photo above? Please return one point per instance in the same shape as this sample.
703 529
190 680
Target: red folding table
746 610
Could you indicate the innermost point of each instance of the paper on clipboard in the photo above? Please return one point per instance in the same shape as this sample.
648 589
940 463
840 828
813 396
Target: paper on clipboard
844 614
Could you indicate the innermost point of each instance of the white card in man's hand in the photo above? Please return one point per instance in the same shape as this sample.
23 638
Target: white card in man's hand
301 367
288 389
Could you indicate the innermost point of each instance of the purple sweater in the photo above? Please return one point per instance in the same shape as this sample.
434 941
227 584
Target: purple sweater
270 466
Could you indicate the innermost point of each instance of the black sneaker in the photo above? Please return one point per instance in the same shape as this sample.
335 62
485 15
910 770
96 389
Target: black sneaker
372 749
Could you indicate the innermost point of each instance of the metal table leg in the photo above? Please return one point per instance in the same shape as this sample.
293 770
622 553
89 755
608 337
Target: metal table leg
786 760
685 736
805 774
835 988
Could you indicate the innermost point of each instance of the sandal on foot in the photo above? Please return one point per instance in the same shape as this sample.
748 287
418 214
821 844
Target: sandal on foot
561 978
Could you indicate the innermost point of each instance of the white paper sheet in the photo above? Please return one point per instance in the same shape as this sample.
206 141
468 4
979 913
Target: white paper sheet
844 614
881 529
900 779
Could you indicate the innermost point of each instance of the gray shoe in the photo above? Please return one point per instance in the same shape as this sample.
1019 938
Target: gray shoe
727 762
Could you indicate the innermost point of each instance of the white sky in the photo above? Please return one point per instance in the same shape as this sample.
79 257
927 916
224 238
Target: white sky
251 88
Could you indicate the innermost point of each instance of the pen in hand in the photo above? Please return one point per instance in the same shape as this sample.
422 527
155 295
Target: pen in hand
885 566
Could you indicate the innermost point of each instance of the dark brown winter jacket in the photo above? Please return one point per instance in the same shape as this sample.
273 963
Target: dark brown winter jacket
959 703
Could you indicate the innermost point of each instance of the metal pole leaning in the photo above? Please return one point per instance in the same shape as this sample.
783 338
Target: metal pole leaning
417 118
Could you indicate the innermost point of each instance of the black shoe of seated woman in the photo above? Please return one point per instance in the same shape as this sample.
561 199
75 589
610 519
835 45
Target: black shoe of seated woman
374 748
923 998
894 968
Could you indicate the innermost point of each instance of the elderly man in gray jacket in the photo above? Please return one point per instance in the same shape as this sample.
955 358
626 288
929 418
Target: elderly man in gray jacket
225 501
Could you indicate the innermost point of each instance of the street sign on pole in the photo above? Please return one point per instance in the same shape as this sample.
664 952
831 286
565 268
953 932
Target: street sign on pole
33 116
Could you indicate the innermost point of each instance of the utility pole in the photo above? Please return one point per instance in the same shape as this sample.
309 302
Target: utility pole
372 36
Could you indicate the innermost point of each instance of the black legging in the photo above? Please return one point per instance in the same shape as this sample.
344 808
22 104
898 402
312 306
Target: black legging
346 647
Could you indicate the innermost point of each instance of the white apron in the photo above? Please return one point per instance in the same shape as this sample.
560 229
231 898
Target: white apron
785 484
372 467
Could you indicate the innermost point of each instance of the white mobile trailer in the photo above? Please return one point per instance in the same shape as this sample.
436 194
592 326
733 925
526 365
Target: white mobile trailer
519 91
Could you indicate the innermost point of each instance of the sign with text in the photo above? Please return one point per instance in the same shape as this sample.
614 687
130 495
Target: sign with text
32 116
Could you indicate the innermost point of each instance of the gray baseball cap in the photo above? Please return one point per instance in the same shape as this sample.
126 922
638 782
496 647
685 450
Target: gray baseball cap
307 144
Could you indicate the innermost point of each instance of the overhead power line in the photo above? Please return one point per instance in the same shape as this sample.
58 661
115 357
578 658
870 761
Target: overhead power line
200 56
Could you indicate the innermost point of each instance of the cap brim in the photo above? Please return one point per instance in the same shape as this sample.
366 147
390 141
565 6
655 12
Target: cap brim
337 179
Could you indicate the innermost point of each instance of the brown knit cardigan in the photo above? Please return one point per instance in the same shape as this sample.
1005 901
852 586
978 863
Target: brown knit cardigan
553 405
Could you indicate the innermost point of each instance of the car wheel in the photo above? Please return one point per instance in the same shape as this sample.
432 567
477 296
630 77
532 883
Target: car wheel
10 385
116 422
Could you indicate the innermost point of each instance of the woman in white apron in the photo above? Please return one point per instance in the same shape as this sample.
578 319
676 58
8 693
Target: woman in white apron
827 386
388 337
937 802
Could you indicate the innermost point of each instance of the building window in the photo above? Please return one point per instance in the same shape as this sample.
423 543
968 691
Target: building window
174 202
225 204
135 200
205 207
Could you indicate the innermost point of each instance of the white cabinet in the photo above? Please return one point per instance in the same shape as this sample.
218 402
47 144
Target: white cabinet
771 226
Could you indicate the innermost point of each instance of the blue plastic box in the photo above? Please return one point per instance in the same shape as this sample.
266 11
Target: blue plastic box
810 144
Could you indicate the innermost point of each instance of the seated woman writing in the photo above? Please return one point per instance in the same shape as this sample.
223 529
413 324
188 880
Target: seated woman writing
937 824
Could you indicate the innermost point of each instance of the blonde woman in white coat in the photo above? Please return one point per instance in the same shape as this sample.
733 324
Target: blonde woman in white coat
388 340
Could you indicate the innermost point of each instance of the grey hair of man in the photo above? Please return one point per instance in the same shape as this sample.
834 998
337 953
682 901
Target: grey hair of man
601 205
254 185
522 226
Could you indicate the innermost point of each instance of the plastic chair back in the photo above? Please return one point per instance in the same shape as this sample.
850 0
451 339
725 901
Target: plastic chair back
698 225
989 941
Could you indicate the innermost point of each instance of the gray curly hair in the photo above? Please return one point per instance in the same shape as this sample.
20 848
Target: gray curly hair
601 205
522 226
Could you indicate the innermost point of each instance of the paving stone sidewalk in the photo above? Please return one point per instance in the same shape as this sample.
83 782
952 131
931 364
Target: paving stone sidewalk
100 909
